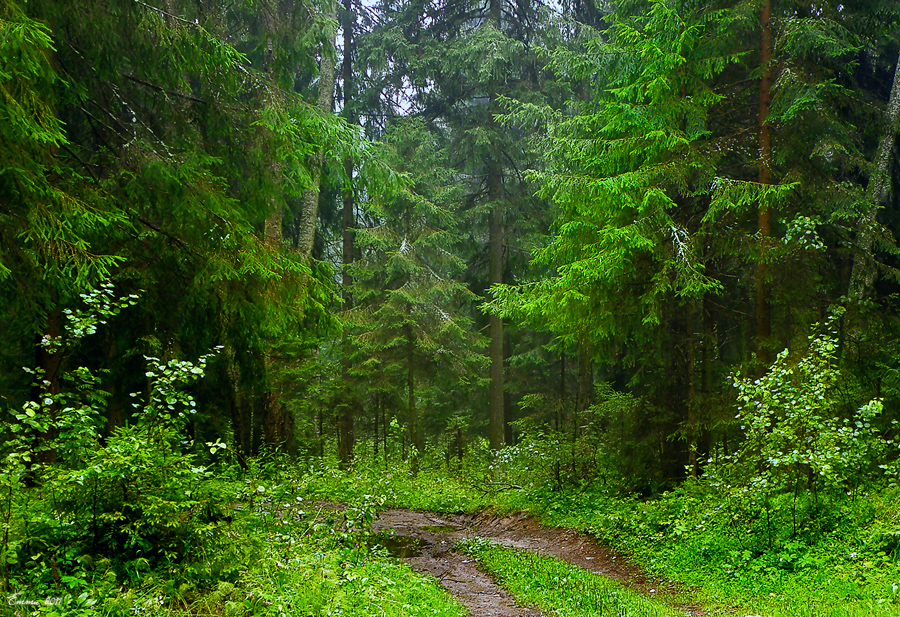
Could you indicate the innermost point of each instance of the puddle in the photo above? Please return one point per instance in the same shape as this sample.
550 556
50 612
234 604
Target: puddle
401 547
440 528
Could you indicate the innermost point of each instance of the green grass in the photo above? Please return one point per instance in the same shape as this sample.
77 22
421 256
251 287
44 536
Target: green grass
394 485
560 588
839 559
279 556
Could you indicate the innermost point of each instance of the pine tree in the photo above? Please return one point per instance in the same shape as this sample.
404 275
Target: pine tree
172 136
659 176
451 64
408 319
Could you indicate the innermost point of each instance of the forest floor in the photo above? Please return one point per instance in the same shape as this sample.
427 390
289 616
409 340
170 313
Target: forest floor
426 542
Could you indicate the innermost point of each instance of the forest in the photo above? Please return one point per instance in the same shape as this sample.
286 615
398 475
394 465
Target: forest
273 269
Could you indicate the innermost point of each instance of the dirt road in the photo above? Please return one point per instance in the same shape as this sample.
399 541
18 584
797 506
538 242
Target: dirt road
425 540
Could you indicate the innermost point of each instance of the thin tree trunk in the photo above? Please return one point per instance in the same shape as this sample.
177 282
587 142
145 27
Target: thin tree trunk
862 277
277 423
375 427
585 379
707 370
495 276
497 417
693 423
763 286
414 431
324 101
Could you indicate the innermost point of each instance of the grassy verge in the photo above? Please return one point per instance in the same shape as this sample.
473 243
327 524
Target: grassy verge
274 555
395 485
840 560
559 588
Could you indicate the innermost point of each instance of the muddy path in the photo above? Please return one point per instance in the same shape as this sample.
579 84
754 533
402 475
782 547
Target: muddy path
425 541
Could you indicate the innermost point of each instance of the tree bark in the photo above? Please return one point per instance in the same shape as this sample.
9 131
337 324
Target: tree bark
862 276
585 379
324 101
497 407
693 422
276 422
763 286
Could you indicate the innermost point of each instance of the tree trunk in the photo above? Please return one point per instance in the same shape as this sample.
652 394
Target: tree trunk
862 276
497 407
693 423
276 422
585 379
763 286
415 434
346 436
324 101
495 275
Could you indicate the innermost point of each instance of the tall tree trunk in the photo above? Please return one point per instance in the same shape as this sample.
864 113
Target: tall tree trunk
763 286
585 379
497 406
497 422
707 371
862 277
324 101
114 405
276 422
346 436
693 422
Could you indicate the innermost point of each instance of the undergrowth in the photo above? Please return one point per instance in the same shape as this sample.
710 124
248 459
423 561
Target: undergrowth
838 558
836 555
278 555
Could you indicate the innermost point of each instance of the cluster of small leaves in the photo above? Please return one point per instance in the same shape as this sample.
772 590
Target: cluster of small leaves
168 400
794 429
101 306
801 232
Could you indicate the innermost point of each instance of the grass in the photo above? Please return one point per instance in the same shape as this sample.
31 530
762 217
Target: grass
284 558
835 562
394 485
838 558
559 588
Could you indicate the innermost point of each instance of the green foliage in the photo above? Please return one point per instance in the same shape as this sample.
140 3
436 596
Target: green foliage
137 498
609 444
794 430
834 556
394 484
409 320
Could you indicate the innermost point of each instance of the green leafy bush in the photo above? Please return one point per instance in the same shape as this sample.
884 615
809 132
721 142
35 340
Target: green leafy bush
799 435
136 501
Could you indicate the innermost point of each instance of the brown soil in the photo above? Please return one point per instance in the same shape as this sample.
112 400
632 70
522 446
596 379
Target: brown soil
435 535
